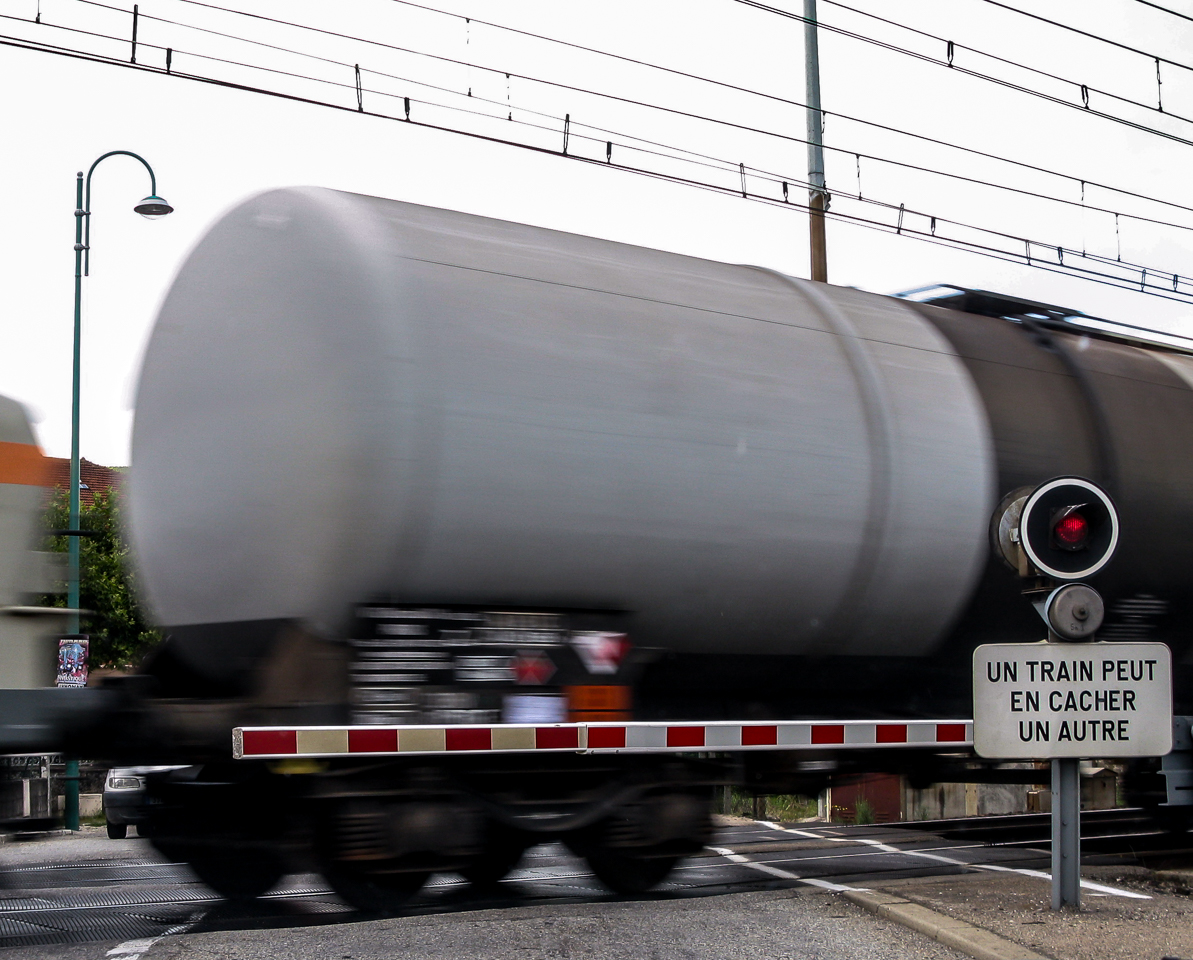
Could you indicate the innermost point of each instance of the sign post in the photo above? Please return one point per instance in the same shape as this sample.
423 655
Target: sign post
1066 832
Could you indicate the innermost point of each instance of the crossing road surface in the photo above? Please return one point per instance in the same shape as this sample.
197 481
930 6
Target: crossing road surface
752 893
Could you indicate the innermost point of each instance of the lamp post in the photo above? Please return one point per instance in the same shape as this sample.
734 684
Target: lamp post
151 208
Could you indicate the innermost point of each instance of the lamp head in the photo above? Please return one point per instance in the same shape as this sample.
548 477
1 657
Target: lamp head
153 207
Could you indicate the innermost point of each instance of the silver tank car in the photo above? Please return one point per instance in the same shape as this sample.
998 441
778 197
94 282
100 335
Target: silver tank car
348 398
355 408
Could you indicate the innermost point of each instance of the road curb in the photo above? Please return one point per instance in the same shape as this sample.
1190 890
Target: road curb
978 943
35 835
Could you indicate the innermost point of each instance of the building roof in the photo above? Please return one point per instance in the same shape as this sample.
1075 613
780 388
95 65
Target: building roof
93 478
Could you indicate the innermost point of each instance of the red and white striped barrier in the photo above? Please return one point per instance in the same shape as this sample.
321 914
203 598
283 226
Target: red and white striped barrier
273 743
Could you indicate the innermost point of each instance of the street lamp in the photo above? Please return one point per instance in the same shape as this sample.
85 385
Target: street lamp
152 207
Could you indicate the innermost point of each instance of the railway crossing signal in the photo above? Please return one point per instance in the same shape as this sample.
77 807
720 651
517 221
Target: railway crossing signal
1068 697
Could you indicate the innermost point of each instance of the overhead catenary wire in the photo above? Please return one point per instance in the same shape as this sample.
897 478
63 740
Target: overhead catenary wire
719 164
1175 13
990 78
1116 280
886 160
952 46
638 103
1093 36
774 97
674 152
972 151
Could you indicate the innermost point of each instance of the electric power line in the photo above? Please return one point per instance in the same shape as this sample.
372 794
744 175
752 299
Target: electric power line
1083 107
629 101
1156 6
951 47
773 97
1093 36
931 236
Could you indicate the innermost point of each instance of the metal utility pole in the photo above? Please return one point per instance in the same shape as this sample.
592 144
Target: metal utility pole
817 197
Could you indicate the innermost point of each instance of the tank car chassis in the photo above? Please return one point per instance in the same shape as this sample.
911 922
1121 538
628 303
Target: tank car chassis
377 809
451 740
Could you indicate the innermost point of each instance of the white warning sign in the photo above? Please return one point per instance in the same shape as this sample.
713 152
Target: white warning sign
1036 701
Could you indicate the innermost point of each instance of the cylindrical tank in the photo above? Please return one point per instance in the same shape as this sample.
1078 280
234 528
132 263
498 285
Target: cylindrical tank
347 398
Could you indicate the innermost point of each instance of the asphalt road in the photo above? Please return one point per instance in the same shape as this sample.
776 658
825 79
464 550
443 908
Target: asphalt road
760 891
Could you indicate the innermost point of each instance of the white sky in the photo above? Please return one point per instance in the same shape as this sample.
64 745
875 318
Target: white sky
212 147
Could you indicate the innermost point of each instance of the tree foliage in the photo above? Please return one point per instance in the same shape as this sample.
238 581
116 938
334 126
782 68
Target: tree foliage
119 627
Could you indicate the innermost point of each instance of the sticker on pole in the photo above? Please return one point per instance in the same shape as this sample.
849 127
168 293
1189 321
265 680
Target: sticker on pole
1037 701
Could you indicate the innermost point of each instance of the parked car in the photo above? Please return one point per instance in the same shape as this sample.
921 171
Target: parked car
124 797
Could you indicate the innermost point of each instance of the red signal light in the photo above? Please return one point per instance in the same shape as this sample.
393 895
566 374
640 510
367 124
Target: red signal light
1071 531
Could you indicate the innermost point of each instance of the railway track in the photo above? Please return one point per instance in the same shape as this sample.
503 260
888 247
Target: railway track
1131 830
121 891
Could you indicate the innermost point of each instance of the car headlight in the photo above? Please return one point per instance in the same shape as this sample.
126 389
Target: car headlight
124 783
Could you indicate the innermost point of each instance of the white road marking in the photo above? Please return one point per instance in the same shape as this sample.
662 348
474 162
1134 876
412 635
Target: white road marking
777 872
994 868
135 949
132 949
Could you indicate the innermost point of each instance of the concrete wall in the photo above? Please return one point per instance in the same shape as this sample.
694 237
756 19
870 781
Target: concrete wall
90 804
945 801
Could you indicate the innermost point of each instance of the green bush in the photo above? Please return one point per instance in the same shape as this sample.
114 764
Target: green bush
119 628
782 807
863 811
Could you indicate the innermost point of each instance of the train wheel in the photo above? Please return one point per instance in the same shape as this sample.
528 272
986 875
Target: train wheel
234 863
633 850
235 876
630 873
372 892
503 848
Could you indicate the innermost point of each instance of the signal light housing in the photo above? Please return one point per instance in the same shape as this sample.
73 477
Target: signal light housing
1068 528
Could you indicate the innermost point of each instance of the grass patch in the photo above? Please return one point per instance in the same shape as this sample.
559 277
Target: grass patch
863 811
785 807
